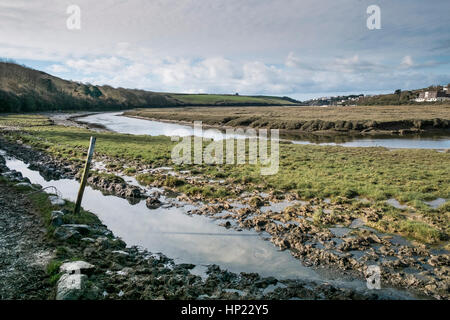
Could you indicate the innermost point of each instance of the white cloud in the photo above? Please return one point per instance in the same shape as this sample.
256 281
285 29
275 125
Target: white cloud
407 62
255 46
100 65
58 68
292 60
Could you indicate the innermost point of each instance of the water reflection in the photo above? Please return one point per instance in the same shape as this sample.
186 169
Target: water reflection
113 121
187 239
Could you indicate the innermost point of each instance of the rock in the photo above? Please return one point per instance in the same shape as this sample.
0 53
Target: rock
57 218
56 201
81 228
132 192
14 176
76 267
71 286
226 224
64 234
120 252
105 243
256 202
154 193
439 260
283 244
57 221
24 184
76 287
124 271
152 203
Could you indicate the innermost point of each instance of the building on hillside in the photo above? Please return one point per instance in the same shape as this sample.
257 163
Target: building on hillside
433 96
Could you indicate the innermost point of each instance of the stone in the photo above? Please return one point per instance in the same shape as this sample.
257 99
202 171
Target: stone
76 267
81 228
64 234
120 252
132 192
152 203
71 286
56 201
24 184
57 218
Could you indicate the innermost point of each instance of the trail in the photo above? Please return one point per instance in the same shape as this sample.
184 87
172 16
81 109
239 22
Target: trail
24 253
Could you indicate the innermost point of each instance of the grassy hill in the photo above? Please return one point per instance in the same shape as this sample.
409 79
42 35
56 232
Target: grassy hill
23 89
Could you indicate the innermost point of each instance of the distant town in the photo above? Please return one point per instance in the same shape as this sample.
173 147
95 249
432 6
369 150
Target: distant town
430 94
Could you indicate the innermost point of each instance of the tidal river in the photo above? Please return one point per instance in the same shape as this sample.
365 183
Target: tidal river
115 122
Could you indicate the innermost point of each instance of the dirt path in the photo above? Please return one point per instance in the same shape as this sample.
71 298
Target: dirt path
23 250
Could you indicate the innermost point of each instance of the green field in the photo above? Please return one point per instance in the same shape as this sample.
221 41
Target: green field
218 99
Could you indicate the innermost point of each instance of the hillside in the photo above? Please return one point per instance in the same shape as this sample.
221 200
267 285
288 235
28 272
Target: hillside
24 89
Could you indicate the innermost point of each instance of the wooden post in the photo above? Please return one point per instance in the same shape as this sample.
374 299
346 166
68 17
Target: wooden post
85 175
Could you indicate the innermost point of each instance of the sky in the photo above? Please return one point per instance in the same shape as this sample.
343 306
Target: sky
298 48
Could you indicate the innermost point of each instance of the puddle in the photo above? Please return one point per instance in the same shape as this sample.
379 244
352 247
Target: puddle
436 203
186 239
356 223
393 202
278 207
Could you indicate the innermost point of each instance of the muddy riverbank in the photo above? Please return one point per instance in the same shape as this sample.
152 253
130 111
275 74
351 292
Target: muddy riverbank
295 226
108 269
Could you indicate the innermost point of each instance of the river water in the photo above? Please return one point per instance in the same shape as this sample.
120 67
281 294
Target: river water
115 122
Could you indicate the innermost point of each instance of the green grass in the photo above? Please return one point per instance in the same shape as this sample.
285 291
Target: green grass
410 176
53 271
304 118
213 99
21 120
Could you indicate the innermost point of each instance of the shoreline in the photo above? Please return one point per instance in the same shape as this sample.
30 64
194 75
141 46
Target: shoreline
396 133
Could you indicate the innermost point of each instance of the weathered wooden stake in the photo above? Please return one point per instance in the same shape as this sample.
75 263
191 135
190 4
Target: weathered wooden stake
85 175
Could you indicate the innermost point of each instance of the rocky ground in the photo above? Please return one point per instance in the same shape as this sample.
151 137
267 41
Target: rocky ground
24 250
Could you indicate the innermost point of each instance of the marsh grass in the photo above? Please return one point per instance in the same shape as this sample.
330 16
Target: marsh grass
409 175
294 117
